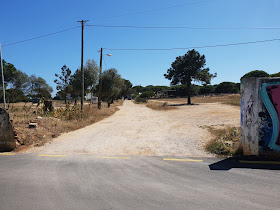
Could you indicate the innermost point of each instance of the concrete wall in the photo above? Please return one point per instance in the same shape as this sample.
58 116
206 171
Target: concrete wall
7 136
260 114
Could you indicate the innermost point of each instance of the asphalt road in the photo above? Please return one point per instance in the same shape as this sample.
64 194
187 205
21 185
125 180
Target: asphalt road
29 181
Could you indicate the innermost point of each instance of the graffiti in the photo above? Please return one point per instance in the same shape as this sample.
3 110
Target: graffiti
249 113
265 129
270 94
242 110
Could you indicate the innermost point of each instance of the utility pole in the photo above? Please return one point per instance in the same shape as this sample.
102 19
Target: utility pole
82 64
100 82
2 74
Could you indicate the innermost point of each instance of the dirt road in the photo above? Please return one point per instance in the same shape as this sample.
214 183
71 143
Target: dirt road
138 130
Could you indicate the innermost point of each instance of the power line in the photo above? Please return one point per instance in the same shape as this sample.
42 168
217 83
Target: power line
154 10
209 46
187 27
38 37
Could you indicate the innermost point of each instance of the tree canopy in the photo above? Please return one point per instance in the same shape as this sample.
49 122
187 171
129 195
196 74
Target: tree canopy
112 84
19 85
275 75
63 81
39 88
256 73
188 68
90 73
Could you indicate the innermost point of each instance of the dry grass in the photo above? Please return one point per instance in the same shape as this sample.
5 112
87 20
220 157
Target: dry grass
225 142
230 99
62 119
159 105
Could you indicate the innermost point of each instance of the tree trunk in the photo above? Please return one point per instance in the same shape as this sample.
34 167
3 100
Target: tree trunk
189 92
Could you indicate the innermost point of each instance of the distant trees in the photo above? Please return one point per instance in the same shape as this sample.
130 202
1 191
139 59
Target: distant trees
147 94
19 86
188 68
39 88
256 73
227 87
63 81
91 76
127 85
112 85
275 75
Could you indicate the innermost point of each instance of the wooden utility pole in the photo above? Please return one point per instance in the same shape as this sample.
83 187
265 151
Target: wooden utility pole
100 81
82 64
2 74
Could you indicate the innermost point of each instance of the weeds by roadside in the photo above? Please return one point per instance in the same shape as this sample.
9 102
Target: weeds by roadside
226 141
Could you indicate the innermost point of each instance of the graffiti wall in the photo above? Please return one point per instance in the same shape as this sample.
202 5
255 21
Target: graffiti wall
260 115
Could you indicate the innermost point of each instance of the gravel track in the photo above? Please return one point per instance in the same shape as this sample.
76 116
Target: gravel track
138 130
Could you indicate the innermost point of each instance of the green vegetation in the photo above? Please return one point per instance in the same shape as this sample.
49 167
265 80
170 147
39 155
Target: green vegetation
21 87
140 100
226 141
275 75
188 68
256 73
114 86
63 82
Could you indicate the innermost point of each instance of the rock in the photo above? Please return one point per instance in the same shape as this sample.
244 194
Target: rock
39 118
7 136
32 125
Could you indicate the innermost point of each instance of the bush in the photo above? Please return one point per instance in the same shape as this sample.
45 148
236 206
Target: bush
206 89
226 142
138 99
133 96
275 75
147 94
227 87
256 73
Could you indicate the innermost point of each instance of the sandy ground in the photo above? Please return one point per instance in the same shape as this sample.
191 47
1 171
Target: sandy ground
138 130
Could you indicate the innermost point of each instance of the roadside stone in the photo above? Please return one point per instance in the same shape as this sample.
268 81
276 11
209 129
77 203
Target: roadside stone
7 135
33 125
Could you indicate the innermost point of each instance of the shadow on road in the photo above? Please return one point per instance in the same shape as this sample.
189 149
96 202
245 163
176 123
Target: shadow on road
250 163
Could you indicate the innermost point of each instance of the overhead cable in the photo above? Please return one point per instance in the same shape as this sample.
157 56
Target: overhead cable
153 10
199 47
187 27
38 37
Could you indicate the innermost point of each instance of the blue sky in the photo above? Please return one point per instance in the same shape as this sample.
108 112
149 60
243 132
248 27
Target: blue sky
44 57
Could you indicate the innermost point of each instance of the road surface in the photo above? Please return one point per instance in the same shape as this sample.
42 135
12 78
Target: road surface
81 181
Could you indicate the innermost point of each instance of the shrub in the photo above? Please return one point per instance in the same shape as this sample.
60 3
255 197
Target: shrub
138 99
256 73
206 89
226 141
147 94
